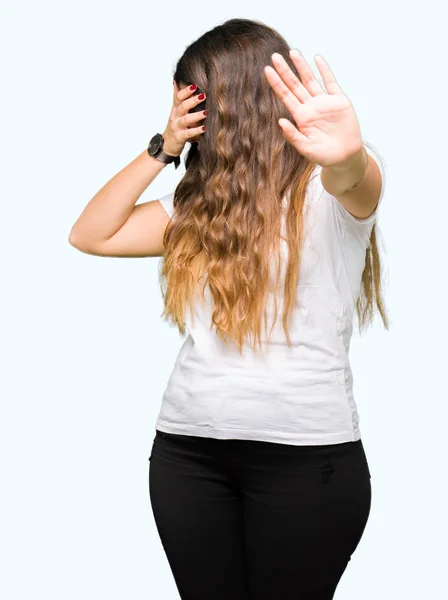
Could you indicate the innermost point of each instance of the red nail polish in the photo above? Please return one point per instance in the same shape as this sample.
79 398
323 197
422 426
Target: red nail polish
192 87
203 127
201 96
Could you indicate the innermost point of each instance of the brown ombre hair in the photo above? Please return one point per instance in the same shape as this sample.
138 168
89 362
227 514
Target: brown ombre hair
228 206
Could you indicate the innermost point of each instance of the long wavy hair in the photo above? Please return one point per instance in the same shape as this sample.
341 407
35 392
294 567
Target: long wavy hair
228 206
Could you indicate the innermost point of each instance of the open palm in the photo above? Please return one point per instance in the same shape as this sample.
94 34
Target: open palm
327 130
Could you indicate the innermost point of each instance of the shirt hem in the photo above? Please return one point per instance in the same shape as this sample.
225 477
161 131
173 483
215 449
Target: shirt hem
280 437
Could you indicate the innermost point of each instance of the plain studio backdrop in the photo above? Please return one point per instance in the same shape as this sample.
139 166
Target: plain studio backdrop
85 354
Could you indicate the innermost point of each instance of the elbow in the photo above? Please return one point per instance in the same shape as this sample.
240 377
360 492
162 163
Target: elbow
72 239
75 240
83 245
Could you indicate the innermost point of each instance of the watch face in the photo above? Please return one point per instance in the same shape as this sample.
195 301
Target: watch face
155 144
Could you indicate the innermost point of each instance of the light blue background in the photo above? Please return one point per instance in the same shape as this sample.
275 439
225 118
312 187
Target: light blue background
85 355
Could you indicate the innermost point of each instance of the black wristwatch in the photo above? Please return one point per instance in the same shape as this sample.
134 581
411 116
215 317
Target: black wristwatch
155 149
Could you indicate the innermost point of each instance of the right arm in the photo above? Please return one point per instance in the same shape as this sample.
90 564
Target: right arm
112 224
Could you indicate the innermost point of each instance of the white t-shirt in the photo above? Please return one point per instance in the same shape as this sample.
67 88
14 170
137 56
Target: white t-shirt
299 395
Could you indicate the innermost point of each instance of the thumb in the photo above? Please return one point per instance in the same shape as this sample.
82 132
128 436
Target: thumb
293 135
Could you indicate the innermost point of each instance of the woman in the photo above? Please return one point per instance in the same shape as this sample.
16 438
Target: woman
258 479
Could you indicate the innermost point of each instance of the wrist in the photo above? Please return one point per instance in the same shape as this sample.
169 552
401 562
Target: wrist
346 175
156 161
356 160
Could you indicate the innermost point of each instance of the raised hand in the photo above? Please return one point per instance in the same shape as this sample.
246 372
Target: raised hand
182 124
328 131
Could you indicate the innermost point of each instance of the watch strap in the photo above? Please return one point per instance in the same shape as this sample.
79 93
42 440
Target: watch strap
168 158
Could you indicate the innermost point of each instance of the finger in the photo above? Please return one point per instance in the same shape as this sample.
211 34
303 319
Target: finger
306 74
293 135
180 95
190 103
176 91
328 77
192 132
192 118
281 90
290 78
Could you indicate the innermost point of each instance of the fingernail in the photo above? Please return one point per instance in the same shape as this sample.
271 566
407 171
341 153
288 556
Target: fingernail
192 87
201 96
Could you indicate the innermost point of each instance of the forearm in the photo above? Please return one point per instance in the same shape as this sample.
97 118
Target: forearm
110 208
345 176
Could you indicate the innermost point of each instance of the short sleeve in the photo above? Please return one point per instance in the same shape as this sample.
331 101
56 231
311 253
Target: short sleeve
368 222
167 203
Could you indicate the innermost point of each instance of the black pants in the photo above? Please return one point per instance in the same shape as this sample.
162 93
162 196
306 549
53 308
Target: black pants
251 520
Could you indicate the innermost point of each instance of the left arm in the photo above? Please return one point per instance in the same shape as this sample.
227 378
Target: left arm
356 183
